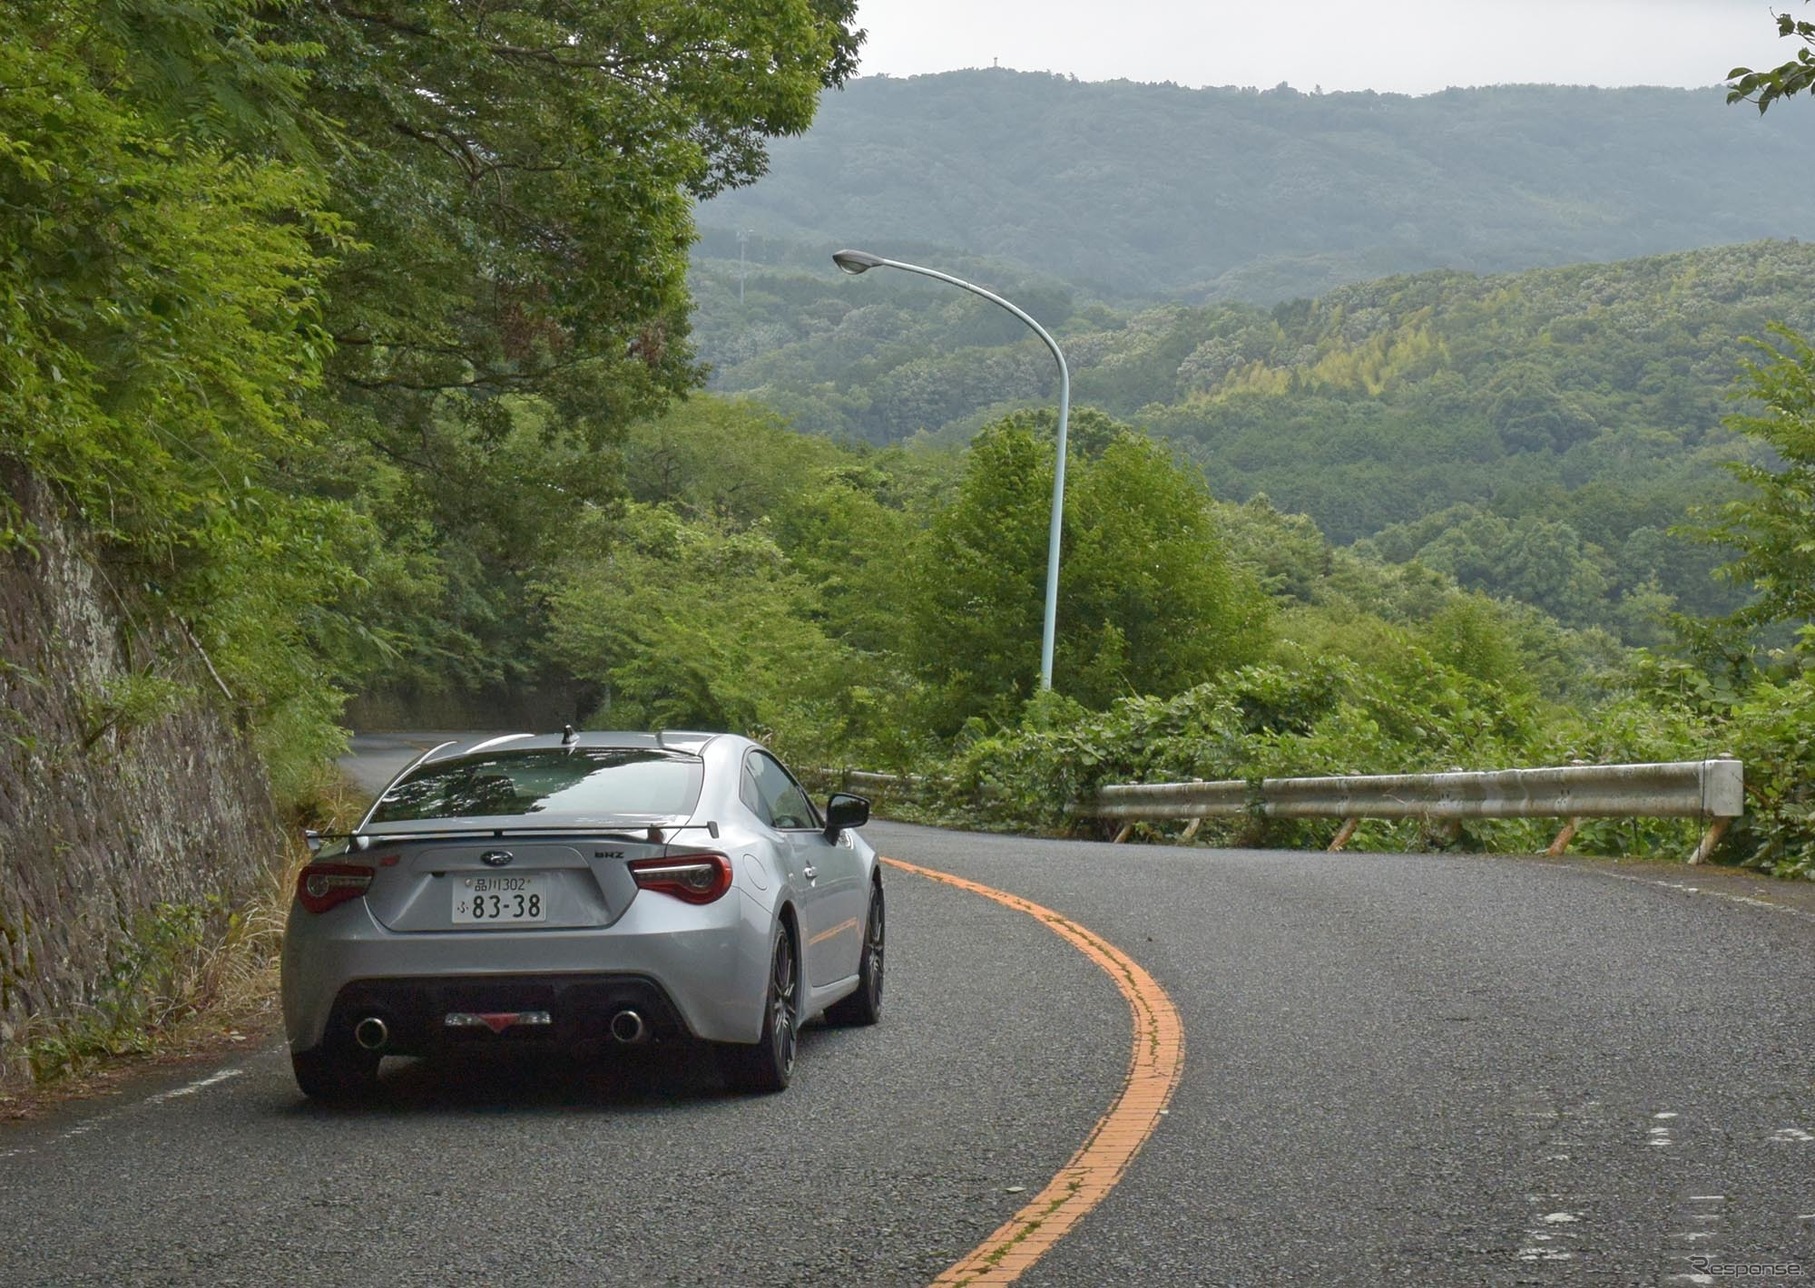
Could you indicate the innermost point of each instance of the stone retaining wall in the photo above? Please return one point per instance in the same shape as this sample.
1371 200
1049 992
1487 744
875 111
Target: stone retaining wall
116 795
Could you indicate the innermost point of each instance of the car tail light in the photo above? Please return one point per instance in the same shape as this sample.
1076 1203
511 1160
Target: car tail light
691 878
321 886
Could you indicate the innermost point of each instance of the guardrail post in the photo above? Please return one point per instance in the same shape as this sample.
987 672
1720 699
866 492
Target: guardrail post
1710 839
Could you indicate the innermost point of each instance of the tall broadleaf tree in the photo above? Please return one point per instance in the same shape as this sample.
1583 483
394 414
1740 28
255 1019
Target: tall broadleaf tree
165 238
1773 525
520 176
1149 601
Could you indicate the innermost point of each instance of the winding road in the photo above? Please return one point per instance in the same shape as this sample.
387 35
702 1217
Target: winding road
1397 1069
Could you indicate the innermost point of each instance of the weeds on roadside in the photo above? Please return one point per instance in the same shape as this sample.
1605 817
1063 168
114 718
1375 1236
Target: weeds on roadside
188 971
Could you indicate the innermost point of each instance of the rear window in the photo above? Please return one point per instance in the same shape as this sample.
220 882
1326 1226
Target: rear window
586 781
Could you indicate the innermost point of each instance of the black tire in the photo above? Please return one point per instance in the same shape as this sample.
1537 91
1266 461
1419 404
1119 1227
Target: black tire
767 1066
865 1005
335 1072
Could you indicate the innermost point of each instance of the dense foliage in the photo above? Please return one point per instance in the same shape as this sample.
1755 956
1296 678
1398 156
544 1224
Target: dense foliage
521 179
321 317
1366 677
1539 435
161 311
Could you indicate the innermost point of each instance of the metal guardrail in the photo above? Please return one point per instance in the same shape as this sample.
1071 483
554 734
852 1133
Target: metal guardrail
1711 789
861 780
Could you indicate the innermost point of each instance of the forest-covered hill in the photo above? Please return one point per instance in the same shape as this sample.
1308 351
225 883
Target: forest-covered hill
1537 434
1138 191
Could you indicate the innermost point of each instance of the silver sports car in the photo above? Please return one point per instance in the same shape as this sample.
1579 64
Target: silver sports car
583 891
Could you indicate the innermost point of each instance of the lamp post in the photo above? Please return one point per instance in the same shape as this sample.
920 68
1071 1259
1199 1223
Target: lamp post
861 261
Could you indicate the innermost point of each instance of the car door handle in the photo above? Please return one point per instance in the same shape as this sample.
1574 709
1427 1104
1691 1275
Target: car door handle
810 872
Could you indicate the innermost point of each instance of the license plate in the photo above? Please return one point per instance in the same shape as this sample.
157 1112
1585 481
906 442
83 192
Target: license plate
500 901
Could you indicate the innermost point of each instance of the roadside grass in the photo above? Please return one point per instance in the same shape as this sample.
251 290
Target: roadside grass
192 979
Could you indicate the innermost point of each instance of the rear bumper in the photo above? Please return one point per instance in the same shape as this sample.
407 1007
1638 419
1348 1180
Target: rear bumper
702 970
580 1010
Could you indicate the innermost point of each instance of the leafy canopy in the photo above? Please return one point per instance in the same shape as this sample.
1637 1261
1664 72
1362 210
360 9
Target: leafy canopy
1786 80
693 624
324 317
1148 600
521 177
160 311
1772 525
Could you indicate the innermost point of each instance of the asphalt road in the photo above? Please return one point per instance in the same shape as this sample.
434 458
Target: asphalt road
1430 1070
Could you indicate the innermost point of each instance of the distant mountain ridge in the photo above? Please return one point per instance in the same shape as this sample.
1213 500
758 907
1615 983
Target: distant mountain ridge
1148 192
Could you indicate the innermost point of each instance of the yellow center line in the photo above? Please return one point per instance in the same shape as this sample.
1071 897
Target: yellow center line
1154 1067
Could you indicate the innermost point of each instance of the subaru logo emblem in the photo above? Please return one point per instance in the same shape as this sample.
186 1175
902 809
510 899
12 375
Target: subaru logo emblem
496 858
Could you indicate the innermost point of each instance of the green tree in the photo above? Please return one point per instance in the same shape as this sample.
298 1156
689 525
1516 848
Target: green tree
1786 80
160 293
160 306
520 178
729 457
1288 553
979 577
1146 579
848 535
1537 560
1148 598
1773 525
692 624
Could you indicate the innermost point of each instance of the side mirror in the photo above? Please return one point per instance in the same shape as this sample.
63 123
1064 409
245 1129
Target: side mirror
312 839
844 811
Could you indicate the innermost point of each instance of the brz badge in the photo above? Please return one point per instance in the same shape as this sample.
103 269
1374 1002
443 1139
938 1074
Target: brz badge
496 858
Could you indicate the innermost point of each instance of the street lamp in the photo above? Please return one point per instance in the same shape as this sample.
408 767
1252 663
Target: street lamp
861 261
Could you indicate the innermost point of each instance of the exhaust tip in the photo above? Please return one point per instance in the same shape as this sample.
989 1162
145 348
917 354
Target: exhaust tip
372 1033
628 1027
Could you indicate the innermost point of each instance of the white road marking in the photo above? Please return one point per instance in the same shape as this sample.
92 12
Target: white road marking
1554 1233
101 1120
1700 1242
198 1085
1684 888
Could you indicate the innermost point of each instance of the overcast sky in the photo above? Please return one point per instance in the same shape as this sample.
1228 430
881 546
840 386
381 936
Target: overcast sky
1403 46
